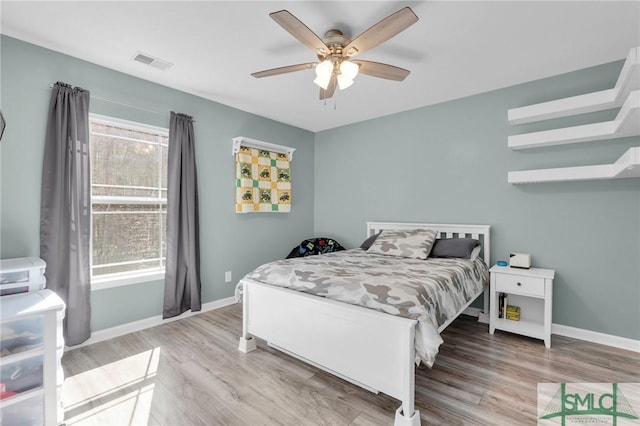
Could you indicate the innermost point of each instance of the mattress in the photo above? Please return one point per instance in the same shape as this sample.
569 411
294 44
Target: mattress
431 291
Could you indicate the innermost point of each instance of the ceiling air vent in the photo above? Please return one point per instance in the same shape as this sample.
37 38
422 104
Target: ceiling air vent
151 61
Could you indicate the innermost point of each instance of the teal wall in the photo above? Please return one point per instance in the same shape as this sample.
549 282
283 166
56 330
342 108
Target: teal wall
229 241
443 163
448 163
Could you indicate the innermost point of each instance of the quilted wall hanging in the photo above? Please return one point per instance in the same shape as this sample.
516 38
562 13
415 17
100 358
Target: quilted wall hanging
263 181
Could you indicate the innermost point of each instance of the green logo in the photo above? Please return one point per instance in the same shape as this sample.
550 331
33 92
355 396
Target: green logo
585 401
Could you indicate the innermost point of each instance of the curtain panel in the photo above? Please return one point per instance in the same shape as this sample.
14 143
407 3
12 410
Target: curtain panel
182 287
65 208
263 181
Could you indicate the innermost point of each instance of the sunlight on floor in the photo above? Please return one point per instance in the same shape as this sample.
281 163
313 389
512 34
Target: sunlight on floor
119 393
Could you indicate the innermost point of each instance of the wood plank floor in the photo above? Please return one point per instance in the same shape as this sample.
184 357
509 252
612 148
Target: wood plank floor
189 372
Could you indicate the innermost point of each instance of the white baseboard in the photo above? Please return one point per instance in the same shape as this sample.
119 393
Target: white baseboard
120 330
596 337
576 333
559 329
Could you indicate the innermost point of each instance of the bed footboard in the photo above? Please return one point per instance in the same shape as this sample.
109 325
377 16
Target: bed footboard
368 348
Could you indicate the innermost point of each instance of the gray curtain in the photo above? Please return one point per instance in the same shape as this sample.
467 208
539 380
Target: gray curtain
65 208
182 277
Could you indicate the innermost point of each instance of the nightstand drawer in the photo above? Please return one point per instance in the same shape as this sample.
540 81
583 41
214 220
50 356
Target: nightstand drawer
518 284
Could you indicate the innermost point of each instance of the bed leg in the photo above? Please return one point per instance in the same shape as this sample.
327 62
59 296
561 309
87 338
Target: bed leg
407 415
484 315
402 420
247 342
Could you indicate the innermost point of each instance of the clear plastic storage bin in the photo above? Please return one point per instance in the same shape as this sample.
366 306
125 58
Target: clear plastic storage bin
29 412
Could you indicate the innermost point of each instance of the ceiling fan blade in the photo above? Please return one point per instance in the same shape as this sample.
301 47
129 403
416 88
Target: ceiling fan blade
381 32
331 88
284 70
380 70
296 28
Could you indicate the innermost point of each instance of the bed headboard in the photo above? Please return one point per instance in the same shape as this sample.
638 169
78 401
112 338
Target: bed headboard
446 230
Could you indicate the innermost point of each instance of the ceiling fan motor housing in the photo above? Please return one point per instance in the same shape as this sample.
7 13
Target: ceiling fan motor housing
335 40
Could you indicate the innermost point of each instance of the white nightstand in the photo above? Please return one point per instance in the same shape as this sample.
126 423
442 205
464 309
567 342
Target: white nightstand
531 290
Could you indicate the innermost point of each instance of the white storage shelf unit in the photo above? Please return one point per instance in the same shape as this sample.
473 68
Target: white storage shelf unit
31 347
625 94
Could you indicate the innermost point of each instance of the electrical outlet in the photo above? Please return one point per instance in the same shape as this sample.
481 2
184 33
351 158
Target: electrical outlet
227 277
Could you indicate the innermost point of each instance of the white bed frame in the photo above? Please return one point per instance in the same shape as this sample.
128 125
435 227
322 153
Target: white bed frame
371 349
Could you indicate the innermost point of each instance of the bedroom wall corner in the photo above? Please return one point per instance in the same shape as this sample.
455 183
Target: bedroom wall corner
229 241
448 163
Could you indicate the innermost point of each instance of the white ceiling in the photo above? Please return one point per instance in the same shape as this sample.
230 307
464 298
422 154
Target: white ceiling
456 49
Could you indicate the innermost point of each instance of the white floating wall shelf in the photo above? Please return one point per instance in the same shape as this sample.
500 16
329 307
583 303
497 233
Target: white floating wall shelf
628 80
625 94
627 166
626 123
254 143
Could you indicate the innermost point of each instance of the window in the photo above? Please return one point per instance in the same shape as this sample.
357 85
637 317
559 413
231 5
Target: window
129 198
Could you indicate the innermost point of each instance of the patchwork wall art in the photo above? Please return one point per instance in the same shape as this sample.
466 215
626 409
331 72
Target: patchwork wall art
263 181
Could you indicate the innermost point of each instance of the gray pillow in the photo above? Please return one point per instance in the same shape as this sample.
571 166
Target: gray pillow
414 243
367 243
454 247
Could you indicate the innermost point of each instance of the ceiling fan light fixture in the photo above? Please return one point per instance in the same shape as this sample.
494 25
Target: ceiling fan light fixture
324 70
323 83
349 69
344 82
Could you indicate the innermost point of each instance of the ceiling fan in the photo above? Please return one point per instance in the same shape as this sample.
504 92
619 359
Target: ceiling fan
334 51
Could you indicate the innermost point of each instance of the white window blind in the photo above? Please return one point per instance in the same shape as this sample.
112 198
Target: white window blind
129 197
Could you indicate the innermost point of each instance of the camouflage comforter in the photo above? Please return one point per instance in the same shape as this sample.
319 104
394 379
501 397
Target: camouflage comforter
430 291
